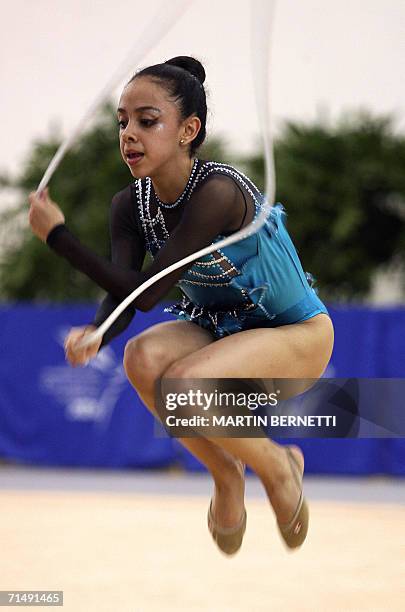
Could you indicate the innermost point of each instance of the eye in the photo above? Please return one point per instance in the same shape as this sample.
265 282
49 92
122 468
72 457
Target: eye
147 122
121 125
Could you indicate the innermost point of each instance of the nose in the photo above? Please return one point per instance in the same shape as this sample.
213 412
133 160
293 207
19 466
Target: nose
129 134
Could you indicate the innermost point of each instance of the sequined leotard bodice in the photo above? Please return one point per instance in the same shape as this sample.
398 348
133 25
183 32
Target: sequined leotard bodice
256 282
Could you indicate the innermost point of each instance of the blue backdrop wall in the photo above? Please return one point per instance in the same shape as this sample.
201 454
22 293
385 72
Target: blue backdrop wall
53 414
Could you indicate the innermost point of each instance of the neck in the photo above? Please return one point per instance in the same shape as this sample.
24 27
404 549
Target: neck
170 180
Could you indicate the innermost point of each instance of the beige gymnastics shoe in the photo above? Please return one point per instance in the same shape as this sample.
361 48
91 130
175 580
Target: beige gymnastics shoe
295 532
228 539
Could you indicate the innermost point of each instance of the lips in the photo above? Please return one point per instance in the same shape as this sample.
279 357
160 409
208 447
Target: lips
133 157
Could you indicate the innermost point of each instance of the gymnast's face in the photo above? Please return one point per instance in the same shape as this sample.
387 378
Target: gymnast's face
150 127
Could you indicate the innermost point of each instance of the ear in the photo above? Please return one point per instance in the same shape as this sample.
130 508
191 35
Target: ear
190 128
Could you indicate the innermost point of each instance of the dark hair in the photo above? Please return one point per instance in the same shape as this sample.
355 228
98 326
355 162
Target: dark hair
183 77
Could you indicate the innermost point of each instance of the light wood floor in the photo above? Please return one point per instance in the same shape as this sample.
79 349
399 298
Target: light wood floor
130 552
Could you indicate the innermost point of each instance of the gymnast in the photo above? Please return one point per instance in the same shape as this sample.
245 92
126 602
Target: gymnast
247 311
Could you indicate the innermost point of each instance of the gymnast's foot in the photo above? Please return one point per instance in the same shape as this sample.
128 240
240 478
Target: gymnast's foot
284 491
227 504
286 497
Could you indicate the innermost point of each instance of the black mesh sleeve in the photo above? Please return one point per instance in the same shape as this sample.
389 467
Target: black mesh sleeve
107 306
127 250
117 276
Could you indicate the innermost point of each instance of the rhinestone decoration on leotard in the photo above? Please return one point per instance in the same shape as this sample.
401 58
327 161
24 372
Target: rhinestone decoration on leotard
209 263
224 273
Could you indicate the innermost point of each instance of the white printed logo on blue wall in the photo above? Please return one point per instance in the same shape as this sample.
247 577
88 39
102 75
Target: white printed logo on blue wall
88 393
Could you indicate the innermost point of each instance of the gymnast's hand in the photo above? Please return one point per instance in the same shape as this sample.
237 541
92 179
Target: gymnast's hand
80 356
44 214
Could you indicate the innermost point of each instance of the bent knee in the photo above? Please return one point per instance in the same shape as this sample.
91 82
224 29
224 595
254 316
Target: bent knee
182 369
143 360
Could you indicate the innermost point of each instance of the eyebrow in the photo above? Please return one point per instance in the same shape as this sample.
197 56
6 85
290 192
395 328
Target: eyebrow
140 108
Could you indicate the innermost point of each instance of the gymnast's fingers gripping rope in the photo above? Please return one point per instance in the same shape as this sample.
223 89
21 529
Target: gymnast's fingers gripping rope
261 20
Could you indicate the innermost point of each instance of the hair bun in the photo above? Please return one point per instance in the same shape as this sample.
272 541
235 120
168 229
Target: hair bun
190 64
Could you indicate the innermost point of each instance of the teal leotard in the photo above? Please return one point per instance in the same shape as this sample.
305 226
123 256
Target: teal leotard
262 284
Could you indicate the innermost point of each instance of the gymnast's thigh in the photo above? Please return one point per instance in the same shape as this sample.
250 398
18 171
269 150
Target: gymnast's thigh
151 352
296 351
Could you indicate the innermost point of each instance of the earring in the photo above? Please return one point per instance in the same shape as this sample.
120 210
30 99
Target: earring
182 141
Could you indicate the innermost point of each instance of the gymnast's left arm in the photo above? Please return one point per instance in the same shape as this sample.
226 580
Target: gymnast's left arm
214 208
48 223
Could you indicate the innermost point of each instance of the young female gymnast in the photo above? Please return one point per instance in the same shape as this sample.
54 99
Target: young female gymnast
247 311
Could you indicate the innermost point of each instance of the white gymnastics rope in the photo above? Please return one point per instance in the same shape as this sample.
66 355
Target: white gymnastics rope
261 21
160 24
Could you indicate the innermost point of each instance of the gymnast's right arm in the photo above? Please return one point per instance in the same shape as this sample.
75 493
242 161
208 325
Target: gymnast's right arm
127 251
